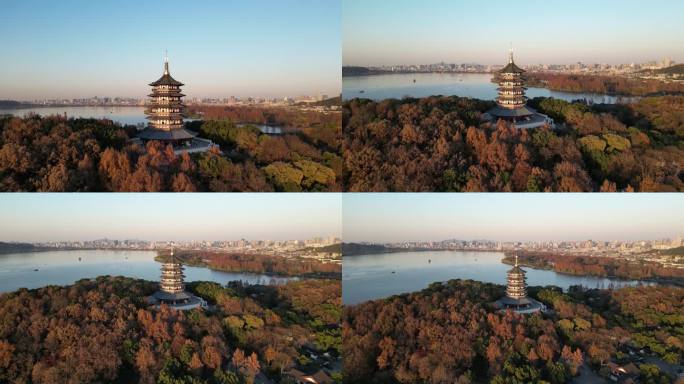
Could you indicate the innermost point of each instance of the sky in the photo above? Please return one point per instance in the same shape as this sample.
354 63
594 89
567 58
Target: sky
395 217
84 48
387 32
38 217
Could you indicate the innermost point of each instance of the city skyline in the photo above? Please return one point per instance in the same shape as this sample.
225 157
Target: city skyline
78 48
27 217
402 32
506 217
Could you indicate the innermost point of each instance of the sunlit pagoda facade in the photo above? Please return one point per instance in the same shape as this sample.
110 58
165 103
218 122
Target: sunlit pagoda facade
165 112
172 288
516 293
512 102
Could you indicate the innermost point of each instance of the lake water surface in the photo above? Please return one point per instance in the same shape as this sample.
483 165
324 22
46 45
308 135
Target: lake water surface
121 115
369 277
475 85
18 270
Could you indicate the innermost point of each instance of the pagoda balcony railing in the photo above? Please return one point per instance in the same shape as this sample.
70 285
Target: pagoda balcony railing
167 127
160 88
165 110
173 288
165 98
170 274
172 285
161 101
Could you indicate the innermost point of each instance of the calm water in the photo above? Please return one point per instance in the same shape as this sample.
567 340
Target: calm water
370 277
475 85
121 115
17 270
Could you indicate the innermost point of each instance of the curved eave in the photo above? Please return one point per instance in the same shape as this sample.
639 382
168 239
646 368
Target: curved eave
512 68
166 80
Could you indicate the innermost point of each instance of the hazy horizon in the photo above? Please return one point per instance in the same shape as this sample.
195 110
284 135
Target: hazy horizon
390 218
79 48
401 32
39 217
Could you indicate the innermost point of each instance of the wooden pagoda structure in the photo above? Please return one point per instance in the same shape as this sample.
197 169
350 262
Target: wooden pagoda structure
165 111
512 102
172 288
517 282
172 276
516 293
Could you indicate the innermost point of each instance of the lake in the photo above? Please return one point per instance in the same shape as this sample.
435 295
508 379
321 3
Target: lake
18 270
121 115
369 277
475 85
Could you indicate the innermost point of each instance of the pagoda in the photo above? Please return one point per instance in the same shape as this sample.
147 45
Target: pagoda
512 102
165 113
516 293
172 288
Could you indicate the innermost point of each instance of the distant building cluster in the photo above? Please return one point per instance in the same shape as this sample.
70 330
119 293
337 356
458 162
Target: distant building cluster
308 248
106 101
587 246
94 101
575 68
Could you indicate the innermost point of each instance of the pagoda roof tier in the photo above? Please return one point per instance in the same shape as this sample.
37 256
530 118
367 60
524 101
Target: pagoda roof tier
512 68
508 88
161 295
159 134
166 79
511 97
499 111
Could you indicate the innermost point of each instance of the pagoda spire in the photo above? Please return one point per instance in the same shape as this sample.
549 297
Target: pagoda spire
166 62
510 54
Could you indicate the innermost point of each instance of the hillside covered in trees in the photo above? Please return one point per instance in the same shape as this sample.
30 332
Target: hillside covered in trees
582 265
439 144
258 263
101 331
610 85
449 333
58 154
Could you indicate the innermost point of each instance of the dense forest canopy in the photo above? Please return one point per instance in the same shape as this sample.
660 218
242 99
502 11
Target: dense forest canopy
260 263
449 333
587 265
58 154
100 330
601 84
439 144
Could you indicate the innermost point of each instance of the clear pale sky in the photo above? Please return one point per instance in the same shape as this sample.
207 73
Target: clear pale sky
35 217
390 217
84 48
555 32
